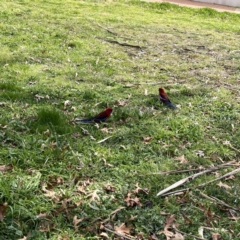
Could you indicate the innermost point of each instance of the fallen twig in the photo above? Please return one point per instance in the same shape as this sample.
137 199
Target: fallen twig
108 30
178 192
103 140
219 178
121 44
190 178
173 171
118 234
174 227
218 201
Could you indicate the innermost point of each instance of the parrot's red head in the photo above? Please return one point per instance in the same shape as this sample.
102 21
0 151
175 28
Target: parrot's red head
109 111
161 90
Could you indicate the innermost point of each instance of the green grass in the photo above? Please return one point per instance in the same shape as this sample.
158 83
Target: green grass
58 64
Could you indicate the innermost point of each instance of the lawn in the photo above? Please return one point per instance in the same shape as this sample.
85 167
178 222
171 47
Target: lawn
62 60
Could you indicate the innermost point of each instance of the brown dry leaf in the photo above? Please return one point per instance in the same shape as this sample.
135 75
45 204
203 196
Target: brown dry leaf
94 196
54 181
104 130
81 189
3 210
52 144
121 103
141 190
177 236
51 194
132 202
109 188
216 236
39 97
220 184
24 238
152 237
140 236
47 132
45 226
4 168
182 159
231 177
147 140
76 221
123 229
104 235
169 222
66 103
200 153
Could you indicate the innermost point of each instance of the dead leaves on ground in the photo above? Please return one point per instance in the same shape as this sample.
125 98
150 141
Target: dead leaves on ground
3 211
4 168
170 230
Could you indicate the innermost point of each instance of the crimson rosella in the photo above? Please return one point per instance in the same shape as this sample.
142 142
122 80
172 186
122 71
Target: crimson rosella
101 117
163 97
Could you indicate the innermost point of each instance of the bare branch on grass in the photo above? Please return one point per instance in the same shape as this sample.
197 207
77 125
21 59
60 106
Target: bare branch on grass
121 43
118 234
190 235
218 201
183 181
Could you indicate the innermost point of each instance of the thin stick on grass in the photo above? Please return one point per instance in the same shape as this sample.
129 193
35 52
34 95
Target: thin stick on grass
178 192
121 44
218 201
118 234
190 235
192 177
108 30
173 171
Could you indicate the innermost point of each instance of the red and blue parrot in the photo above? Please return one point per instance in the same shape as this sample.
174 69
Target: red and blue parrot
101 117
163 97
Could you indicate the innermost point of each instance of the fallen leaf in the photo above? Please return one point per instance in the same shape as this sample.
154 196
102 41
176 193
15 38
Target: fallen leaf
81 189
169 222
47 132
123 229
51 194
42 215
132 202
76 221
3 210
152 237
220 184
182 159
229 178
200 153
146 140
177 236
141 190
109 188
39 97
94 196
104 235
4 168
216 236
121 103
24 238
66 103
